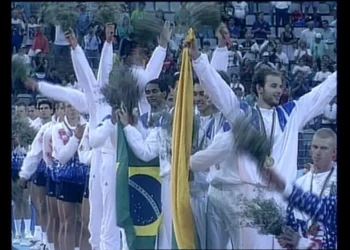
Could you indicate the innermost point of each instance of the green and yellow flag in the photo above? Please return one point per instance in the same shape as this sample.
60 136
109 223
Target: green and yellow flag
181 151
138 196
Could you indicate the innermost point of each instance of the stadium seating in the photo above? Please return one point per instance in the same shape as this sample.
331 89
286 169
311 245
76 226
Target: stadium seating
24 98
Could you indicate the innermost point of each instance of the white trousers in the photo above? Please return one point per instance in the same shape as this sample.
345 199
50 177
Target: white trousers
110 233
199 200
95 200
223 219
165 234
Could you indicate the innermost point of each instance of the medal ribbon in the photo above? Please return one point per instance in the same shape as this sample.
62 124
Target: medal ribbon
262 127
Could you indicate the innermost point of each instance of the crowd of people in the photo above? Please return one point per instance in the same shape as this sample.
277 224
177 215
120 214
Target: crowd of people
285 84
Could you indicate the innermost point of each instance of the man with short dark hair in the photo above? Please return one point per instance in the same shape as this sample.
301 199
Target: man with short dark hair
53 76
261 28
32 111
21 109
278 123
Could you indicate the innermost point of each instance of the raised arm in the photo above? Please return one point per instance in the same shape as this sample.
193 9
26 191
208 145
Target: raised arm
217 89
106 60
64 94
315 101
63 151
147 149
216 153
100 134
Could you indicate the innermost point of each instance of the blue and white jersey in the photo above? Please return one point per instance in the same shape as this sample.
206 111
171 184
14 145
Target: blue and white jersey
17 158
73 171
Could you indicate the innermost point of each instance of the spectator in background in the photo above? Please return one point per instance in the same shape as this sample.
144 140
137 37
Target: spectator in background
283 58
330 37
322 75
83 23
53 76
314 5
31 27
40 42
286 77
32 111
334 23
17 29
40 65
91 47
265 62
234 59
308 35
139 13
206 49
251 98
301 51
21 110
182 14
125 28
246 74
168 63
318 48
160 15
247 46
61 46
302 67
285 95
21 55
261 28
329 63
300 86
240 13
281 11
288 40
329 117
233 29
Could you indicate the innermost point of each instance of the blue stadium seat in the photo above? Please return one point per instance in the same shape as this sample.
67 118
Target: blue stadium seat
265 7
162 5
297 31
174 6
328 18
324 8
149 6
169 16
295 6
250 19
39 97
24 98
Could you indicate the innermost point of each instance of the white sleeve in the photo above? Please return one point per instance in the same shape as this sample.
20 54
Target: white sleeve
106 64
218 90
85 75
47 147
35 154
153 68
216 153
219 60
63 153
147 149
64 94
100 134
316 100
85 150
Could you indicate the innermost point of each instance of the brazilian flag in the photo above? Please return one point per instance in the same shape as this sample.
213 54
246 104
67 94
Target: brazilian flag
138 196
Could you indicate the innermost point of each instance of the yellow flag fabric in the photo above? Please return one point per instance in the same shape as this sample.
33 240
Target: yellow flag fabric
181 150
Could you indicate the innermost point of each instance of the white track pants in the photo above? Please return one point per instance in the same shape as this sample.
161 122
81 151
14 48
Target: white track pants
222 218
199 200
95 200
164 239
110 233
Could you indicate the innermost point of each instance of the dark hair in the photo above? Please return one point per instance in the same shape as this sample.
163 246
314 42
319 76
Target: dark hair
325 21
175 79
19 104
259 77
32 104
52 69
57 103
45 102
162 85
206 42
33 16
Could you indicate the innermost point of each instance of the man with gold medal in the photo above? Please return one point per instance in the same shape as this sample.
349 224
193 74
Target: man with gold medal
281 123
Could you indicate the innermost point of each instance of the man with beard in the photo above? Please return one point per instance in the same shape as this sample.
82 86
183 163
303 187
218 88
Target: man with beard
280 124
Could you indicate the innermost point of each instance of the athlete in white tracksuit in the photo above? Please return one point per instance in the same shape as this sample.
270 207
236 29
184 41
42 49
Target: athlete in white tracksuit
103 139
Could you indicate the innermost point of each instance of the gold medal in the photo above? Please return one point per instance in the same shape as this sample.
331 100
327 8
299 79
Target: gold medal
269 161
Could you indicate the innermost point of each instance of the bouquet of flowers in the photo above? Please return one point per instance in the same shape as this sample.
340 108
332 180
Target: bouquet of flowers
22 131
108 12
19 70
62 13
265 215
